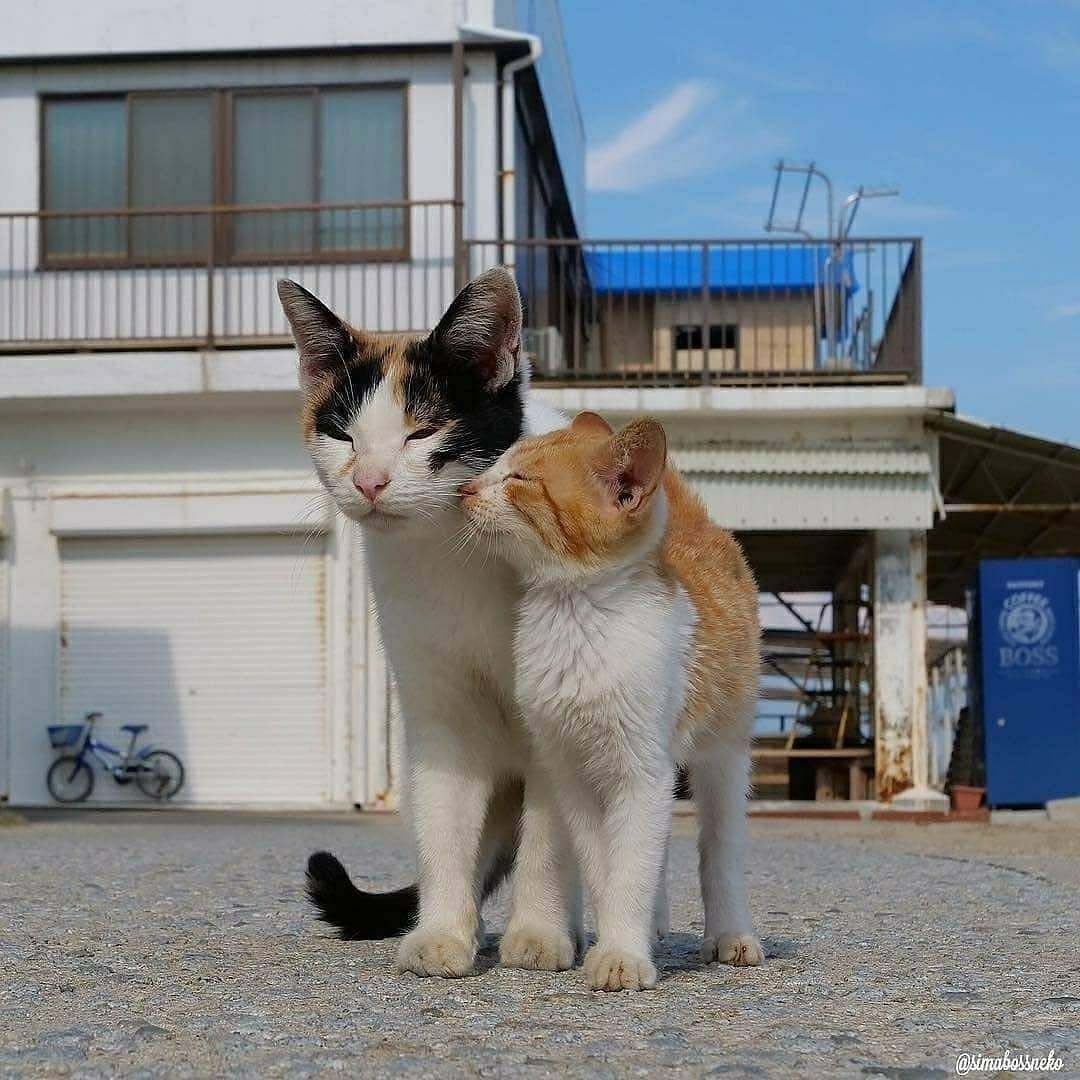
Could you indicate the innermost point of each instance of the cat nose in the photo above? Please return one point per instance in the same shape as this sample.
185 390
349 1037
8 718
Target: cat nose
369 484
470 487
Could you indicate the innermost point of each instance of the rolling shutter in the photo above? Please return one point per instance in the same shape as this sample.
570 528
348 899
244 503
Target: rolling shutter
216 642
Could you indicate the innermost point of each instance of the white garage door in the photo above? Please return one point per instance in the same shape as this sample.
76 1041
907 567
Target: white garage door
216 642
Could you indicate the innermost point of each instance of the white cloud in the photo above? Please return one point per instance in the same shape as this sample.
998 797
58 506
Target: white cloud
1065 311
674 138
617 164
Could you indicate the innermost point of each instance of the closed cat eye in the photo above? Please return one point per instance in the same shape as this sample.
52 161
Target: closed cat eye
522 478
422 433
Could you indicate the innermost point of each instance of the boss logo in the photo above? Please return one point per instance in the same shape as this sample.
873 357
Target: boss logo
1027 624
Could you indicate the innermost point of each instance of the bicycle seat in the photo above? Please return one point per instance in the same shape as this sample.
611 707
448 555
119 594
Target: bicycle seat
134 728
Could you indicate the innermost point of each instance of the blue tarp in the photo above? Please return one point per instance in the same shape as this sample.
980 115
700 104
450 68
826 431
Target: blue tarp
764 268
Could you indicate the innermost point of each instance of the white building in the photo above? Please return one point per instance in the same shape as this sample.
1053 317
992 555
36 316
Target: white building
164 556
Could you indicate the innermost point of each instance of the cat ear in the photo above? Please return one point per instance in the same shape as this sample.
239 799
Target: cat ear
591 423
323 341
633 463
482 328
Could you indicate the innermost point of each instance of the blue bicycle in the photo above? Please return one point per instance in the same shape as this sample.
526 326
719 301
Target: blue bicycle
157 773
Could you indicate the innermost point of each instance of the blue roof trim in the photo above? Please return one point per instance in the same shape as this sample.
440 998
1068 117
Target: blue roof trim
771 267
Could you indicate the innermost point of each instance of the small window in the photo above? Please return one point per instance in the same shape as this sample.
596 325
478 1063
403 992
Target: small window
688 352
721 336
319 146
85 169
363 160
139 152
172 158
274 162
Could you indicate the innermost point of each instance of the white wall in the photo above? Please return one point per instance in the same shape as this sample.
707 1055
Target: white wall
82 463
72 28
142 468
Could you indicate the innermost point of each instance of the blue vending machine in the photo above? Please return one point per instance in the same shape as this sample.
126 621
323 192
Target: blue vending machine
1027 665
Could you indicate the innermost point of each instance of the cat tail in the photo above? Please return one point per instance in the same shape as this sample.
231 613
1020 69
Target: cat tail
368 916
358 915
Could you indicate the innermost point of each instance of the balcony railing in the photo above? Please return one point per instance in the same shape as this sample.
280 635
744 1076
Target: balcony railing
648 312
678 312
204 276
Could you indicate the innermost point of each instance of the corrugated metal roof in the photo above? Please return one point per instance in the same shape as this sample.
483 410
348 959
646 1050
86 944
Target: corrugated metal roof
769 459
823 501
768 267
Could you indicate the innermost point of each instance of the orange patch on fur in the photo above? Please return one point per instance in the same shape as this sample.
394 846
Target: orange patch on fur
566 493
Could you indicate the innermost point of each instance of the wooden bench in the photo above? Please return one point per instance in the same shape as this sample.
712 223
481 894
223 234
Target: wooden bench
858 760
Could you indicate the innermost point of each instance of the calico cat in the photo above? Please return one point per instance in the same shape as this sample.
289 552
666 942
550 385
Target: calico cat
637 646
394 425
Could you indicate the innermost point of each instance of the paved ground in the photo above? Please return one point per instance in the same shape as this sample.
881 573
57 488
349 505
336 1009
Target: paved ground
141 944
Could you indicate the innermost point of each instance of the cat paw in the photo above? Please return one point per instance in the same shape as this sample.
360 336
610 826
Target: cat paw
739 950
439 953
609 968
537 948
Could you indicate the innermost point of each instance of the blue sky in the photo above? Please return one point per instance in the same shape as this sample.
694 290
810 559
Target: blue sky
971 108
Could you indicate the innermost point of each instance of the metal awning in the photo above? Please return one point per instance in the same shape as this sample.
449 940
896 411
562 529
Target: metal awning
1005 494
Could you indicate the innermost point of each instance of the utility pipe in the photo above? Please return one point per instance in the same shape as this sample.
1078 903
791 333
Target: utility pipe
506 175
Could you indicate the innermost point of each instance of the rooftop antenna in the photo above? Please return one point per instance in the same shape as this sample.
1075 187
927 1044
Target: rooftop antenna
838 330
837 226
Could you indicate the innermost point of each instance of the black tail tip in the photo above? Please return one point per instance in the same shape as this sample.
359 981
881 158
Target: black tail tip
357 915
322 867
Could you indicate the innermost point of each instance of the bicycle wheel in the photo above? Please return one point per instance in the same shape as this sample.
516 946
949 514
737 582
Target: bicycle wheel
70 779
160 775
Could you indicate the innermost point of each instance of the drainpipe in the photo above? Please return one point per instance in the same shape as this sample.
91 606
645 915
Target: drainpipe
505 175
457 64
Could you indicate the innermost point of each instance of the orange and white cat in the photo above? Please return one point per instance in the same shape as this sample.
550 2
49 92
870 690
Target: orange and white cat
637 647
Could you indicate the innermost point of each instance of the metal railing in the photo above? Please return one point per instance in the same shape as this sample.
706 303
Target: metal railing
205 276
679 312
656 312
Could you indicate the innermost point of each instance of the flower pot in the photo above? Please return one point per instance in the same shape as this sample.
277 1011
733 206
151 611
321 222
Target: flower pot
966 798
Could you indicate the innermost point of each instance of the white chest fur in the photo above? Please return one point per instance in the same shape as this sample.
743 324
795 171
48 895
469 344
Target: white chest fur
608 657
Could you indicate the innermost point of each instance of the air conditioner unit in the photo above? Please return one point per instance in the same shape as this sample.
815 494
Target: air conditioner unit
543 346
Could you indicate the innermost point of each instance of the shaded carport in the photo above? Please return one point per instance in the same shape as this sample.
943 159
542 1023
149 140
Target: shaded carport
1003 494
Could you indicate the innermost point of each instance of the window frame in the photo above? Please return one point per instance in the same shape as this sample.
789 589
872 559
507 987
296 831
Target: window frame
220 251
725 327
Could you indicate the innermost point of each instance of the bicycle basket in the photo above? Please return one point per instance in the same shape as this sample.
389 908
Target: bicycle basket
61 735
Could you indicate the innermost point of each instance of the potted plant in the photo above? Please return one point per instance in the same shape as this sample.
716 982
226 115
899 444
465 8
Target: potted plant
966 780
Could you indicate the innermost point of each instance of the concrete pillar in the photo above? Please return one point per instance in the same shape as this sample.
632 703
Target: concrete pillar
33 645
902 759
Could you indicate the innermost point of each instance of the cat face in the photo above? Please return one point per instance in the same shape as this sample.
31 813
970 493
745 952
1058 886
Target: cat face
395 424
574 502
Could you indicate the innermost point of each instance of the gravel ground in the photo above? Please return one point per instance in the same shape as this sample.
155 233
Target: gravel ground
177 944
